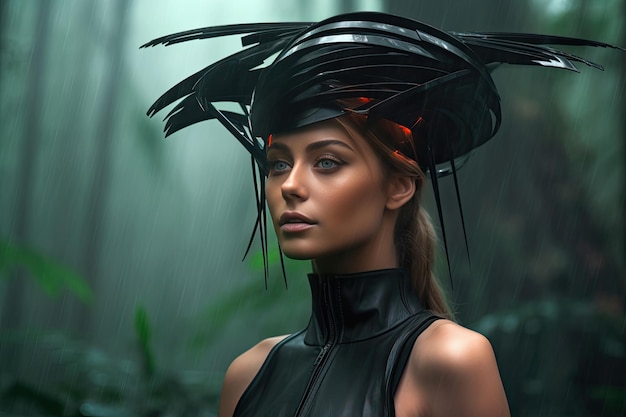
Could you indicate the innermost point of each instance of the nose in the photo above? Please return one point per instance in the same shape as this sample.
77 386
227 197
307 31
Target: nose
294 187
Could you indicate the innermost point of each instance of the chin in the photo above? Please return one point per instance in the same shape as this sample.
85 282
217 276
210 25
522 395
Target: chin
298 257
297 254
301 250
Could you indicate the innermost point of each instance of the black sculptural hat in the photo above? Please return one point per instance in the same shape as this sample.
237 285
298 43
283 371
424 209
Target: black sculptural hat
435 83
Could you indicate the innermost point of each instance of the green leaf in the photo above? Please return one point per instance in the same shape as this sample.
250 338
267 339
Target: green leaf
51 275
144 333
256 262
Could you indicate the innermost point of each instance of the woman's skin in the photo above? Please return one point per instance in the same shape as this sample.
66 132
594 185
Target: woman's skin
340 207
337 183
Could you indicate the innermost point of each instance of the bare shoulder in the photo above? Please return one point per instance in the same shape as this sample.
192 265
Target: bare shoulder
241 372
449 361
246 365
448 345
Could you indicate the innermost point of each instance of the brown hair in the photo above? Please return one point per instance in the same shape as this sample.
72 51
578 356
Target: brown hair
415 237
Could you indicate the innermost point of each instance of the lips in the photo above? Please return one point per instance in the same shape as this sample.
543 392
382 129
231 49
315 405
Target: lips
290 217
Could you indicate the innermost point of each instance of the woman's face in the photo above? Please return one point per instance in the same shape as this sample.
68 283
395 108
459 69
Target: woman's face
327 196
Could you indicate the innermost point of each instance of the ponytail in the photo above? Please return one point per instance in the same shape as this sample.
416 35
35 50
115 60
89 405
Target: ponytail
415 238
416 242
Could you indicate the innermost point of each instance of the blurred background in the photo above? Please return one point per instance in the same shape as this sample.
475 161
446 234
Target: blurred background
122 290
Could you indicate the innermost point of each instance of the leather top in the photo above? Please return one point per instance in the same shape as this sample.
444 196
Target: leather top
349 359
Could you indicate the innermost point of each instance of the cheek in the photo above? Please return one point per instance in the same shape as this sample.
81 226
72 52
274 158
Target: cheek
355 202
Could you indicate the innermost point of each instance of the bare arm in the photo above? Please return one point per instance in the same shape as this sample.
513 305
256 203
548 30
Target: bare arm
241 372
456 370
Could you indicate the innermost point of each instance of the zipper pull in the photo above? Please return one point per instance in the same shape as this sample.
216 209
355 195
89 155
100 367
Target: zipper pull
321 355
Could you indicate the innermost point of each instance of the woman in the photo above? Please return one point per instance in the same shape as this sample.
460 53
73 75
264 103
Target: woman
343 124
355 208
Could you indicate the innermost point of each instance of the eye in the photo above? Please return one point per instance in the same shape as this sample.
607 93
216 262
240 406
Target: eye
327 163
278 166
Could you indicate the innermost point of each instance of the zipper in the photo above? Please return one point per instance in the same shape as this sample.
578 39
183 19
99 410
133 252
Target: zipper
322 357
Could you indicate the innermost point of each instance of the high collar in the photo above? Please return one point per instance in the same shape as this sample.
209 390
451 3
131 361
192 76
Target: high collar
352 307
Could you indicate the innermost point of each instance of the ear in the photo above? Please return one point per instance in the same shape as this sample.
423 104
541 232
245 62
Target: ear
401 189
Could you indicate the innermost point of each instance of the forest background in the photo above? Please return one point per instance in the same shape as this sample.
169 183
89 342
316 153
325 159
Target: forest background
122 291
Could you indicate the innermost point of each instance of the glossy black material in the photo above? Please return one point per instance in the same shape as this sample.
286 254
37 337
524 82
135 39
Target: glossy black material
437 84
349 359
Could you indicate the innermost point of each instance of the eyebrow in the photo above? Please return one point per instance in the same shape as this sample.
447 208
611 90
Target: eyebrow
312 146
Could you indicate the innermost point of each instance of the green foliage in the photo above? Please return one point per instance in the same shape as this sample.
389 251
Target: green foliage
42 402
83 380
273 310
88 381
50 275
256 261
559 355
143 332
586 108
613 398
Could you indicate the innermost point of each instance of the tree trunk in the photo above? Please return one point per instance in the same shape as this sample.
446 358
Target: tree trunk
27 169
622 110
104 148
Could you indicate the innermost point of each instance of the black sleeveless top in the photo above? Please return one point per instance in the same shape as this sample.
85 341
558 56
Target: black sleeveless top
349 359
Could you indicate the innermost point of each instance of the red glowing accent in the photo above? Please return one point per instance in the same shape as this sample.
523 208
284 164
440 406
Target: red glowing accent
406 130
269 141
364 100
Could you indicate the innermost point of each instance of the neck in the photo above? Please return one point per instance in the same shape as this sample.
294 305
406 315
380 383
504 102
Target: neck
343 265
377 253
353 307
